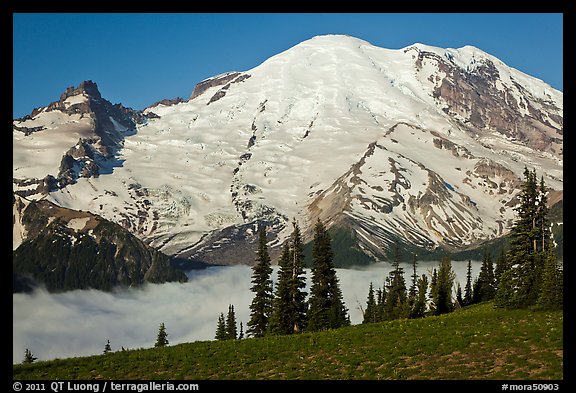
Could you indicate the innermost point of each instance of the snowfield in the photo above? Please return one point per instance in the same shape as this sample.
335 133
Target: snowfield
333 117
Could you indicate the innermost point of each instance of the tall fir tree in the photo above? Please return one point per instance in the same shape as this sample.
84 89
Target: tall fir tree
280 318
162 338
370 311
551 295
326 307
434 290
520 282
241 333
468 294
485 288
221 328
298 282
261 306
231 328
419 307
444 287
500 267
289 305
396 297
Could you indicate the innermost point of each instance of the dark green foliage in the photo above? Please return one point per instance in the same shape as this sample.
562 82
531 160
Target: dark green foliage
162 338
326 307
28 357
443 289
396 298
459 298
241 333
64 260
370 313
485 285
419 307
221 328
467 300
522 280
261 306
231 329
500 267
107 348
289 305
552 288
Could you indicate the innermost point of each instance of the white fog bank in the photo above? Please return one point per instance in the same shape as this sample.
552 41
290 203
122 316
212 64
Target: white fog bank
79 323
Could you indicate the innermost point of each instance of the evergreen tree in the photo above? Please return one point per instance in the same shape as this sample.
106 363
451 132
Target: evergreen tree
485 286
261 306
419 308
500 267
289 305
434 290
395 306
552 288
468 288
161 339
413 291
241 334
370 312
459 298
231 329
28 357
444 287
298 282
221 328
280 319
107 348
520 282
327 310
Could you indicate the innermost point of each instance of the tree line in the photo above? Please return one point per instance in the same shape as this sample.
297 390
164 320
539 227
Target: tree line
526 275
286 308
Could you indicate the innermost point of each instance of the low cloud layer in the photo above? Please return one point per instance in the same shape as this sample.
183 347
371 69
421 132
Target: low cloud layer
79 323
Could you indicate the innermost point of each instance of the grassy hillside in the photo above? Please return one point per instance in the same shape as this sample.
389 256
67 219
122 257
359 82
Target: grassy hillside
478 342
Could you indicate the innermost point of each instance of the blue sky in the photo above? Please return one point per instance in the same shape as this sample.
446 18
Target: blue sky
138 59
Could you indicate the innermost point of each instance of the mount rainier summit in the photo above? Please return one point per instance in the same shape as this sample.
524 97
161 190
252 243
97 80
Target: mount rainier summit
422 146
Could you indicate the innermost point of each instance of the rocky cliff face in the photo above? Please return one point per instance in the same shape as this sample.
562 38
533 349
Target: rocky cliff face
64 249
100 126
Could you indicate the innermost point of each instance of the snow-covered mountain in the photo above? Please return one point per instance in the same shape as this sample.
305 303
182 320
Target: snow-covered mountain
421 145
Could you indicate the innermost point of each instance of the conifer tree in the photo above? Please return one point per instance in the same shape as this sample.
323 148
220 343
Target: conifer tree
468 294
459 298
520 282
289 306
444 287
370 312
434 290
413 291
419 308
500 267
261 306
28 357
280 318
298 282
485 286
241 334
161 339
396 292
107 348
221 328
326 307
552 288
231 329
